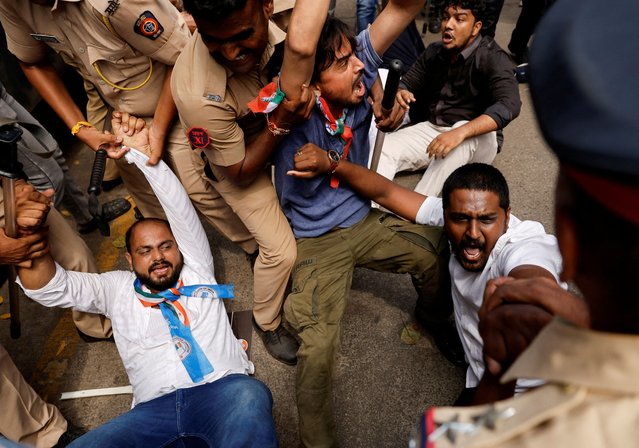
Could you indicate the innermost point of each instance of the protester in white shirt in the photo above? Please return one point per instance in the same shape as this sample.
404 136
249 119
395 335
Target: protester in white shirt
486 241
187 369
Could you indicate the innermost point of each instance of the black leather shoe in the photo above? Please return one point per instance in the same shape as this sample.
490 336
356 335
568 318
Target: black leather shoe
279 343
72 433
448 342
90 339
108 185
110 211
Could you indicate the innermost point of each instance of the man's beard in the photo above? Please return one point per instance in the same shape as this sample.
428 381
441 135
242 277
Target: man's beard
163 283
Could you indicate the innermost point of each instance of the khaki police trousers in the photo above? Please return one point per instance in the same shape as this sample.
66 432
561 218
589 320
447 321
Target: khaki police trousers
69 250
25 417
322 279
259 209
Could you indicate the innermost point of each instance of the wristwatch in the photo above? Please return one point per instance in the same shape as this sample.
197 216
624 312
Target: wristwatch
334 157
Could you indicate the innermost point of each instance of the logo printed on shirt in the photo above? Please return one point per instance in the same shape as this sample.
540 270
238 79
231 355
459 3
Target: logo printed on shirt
182 347
199 137
148 26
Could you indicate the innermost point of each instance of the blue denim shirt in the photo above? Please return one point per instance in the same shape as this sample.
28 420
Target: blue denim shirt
311 205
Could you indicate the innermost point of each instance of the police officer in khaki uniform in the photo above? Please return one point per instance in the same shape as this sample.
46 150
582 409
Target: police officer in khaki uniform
25 417
220 70
68 249
585 93
124 51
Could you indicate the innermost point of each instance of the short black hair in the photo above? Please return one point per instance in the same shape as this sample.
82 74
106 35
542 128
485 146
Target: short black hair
333 33
477 7
477 176
129 232
213 10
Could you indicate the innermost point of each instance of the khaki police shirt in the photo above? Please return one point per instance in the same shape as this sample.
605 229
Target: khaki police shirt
213 98
592 399
75 30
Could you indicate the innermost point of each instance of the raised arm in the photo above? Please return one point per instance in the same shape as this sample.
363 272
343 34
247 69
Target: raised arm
312 161
183 219
303 34
390 23
45 79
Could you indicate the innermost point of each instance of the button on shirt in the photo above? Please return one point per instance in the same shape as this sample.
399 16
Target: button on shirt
76 31
525 242
480 81
141 334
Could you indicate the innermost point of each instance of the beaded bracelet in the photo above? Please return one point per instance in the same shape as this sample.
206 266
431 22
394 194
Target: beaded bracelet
275 130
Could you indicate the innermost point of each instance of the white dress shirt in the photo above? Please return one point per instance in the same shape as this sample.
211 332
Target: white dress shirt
524 243
141 334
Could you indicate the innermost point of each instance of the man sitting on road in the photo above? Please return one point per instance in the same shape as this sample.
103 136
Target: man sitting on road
187 369
485 239
461 90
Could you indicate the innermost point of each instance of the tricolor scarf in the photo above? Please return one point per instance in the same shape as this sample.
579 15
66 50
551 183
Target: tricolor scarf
271 96
337 128
268 99
190 353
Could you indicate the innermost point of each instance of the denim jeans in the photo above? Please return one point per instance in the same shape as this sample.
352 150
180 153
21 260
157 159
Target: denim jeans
365 13
234 411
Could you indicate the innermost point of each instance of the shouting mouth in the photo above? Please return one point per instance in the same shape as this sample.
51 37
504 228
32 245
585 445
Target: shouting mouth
358 86
447 37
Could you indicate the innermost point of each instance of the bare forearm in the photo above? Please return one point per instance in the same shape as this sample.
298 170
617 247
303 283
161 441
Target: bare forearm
478 126
388 194
303 34
165 110
392 21
257 154
45 79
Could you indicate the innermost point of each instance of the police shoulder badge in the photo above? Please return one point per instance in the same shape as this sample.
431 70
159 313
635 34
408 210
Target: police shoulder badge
198 137
148 26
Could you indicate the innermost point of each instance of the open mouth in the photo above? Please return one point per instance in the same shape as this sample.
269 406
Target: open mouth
472 253
358 87
160 269
447 37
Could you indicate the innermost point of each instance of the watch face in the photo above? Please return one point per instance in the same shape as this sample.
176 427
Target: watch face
334 155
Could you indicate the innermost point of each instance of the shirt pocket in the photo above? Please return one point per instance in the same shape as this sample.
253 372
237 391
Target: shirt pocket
120 66
156 331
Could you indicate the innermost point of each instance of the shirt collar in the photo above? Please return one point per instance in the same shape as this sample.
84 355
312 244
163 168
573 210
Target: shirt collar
565 354
466 52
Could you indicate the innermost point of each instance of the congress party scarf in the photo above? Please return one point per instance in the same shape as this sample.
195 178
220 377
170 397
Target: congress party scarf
268 99
189 351
336 128
271 96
